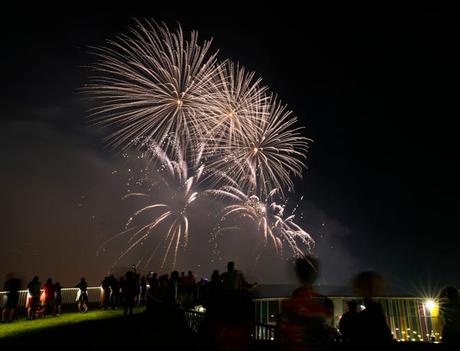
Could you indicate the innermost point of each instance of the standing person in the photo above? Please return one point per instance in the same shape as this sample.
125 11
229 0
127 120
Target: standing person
349 323
129 292
82 296
228 323
190 278
212 292
172 288
137 294
33 299
58 301
450 317
143 294
183 278
121 296
12 285
49 300
114 292
233 280
153 283
306 318
105 298
190 288
373 327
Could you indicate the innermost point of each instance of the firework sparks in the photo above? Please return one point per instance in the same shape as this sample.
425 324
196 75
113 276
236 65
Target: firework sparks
268 154
153 84
269 218
211 126
234 105
180 176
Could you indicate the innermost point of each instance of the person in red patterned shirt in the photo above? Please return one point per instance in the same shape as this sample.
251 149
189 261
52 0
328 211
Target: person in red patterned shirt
305 318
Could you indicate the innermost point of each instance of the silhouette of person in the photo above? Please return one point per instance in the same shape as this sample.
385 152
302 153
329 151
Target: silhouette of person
233 280
228 324
304 323
183 278
450 317
143 285
349 323
372 323
105 298
153 284
114 291
12 285
214 287
129 292
33 289
58 301
49 301
172 287
82 296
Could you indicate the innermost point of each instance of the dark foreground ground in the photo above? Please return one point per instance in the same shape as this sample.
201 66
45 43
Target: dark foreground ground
132 333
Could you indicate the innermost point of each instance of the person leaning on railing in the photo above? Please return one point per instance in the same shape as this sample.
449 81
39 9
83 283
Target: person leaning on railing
11 298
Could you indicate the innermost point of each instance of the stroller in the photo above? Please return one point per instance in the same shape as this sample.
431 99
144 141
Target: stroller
40 311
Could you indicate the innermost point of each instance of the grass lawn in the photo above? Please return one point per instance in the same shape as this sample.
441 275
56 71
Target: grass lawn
23 326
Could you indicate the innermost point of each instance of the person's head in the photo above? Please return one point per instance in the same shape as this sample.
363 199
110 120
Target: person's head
49 281
190 273
231 266
306 269
450 293
35 279
182 274
352 306
368 284
57 285
83 280
175 275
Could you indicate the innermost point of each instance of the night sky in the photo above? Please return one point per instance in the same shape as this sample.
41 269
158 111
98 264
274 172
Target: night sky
377 90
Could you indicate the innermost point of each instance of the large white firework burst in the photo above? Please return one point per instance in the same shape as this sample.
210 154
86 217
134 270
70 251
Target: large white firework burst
268 215
235 105
268 153
153 84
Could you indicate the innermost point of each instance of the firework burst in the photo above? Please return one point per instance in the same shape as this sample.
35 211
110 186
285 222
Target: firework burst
268 215
206 126
234 106
268 154
180 176
153 84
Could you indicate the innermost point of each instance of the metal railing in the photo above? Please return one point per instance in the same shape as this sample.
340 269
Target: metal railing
69 295
193 319
408 317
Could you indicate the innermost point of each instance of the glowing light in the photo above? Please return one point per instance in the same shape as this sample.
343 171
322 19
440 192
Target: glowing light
430 305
